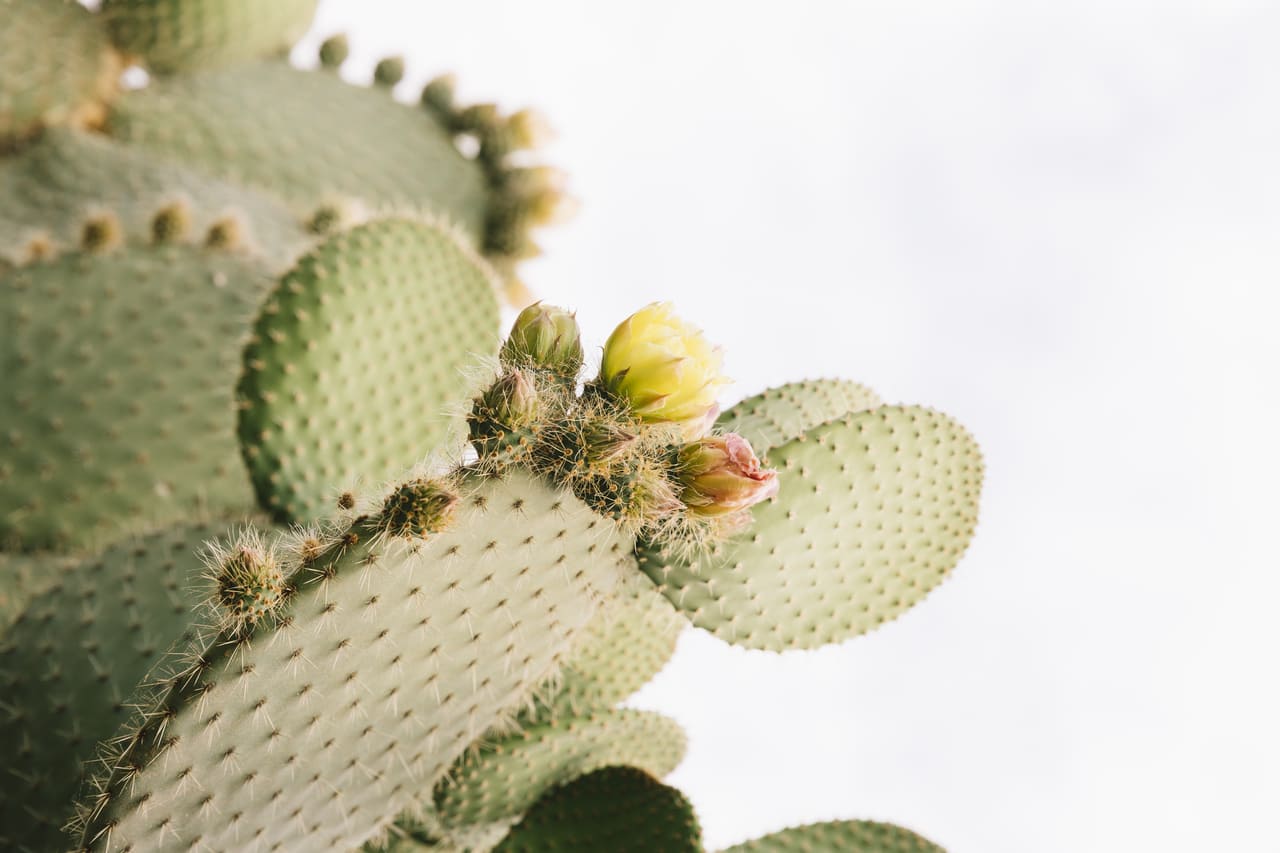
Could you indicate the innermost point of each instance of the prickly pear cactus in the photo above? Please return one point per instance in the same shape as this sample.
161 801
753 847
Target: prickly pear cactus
296 552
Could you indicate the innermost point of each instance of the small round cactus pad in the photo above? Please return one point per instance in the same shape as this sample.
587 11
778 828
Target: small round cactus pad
875 508
502 780
356 358
622 648
778 415
619 809
845 836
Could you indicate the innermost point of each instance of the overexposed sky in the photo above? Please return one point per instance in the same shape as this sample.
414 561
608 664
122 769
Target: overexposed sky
1057 222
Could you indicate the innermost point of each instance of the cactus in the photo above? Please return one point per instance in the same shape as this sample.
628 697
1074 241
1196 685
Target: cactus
296 552
56 68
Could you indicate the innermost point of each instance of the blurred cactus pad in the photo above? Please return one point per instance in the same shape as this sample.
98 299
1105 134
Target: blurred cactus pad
299 551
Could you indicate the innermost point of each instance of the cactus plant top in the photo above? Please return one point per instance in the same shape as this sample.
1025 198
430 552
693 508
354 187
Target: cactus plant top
296 552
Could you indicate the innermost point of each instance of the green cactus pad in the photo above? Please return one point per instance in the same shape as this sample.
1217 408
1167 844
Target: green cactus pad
619 809
782 414
316 729
874 510
623 648
180 35
355 358
120 370
500 781
71 660
55 67
847 836
306 137
24 576
51 186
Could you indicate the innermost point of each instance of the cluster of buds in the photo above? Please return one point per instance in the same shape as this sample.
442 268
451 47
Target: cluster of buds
668 373
638 444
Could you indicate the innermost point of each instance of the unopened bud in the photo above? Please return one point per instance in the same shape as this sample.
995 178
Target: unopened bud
334 50
722 475
419 508
528 129
250 584
547 337
605 442
478 118
505 413
389 71
511 401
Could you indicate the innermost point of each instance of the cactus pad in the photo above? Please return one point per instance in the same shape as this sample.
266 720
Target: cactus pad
50 187
306 137
354 359
501 781
179 35
619 809
70 661
22 577
55 67
625 645
874 510
782 414
120 371
847 836
314 730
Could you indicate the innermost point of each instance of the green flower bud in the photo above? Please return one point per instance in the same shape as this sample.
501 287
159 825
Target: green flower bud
547 337
389 71
250 583
506 413
419 508
334 50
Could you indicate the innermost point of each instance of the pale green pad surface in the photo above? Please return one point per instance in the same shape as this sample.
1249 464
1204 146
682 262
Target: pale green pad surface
319 732
874 510
118 404
305 136
176 35
356 358
70 662
846 836
623 648
51 186
54 58
786 412
502 780
618 809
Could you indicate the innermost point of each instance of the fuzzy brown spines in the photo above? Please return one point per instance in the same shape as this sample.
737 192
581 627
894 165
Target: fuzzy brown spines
101 232
171 223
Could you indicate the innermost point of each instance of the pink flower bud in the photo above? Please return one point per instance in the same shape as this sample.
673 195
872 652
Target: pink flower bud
722 475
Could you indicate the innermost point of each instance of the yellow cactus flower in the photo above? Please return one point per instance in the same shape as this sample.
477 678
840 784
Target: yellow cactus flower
665 369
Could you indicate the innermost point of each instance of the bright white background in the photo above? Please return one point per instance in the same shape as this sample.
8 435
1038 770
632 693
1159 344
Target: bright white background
1059 224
